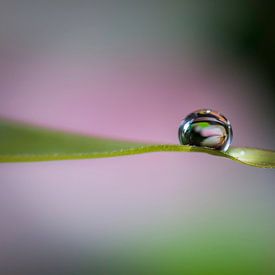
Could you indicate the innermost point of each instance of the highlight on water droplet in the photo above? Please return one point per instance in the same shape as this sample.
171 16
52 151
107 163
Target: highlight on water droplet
206 128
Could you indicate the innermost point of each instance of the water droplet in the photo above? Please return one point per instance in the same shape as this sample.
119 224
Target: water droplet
206 128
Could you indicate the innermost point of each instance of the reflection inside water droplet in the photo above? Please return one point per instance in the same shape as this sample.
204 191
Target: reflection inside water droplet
206 128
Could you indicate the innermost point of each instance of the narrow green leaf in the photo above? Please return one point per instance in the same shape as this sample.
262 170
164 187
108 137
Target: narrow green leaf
21 143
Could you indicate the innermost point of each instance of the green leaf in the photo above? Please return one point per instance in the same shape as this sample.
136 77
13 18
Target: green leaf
21 143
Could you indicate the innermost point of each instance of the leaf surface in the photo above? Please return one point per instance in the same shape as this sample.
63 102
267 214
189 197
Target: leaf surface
25 143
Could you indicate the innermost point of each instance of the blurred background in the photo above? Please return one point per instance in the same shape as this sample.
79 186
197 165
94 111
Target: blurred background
134 69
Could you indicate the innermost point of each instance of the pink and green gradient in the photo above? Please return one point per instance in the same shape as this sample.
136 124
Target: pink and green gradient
132 71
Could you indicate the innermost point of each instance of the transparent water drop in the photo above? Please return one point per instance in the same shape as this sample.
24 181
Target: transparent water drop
206 128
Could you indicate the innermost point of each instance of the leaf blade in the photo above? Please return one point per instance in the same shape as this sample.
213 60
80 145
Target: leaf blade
24 143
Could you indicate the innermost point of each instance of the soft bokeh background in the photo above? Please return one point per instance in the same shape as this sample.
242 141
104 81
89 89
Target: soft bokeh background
134 69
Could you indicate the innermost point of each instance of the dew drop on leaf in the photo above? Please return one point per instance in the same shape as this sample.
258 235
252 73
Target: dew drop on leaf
206 128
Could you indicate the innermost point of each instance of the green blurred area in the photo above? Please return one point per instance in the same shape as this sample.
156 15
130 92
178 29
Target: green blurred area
227 245
247 33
